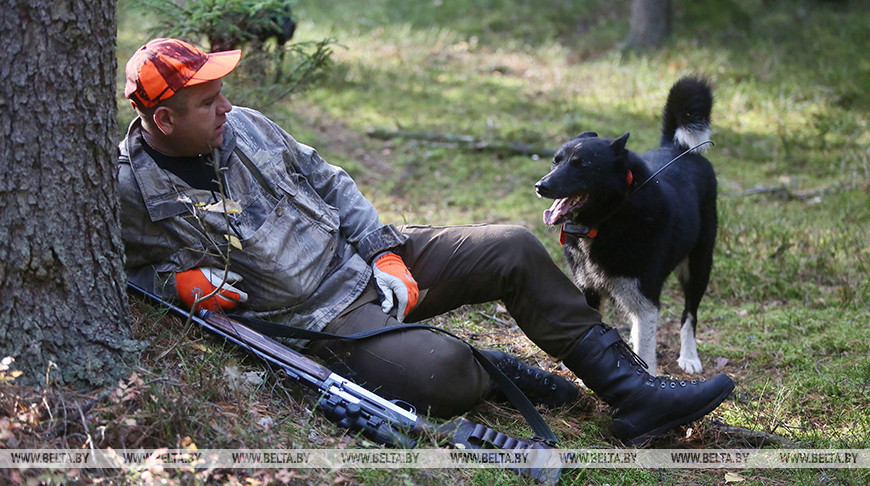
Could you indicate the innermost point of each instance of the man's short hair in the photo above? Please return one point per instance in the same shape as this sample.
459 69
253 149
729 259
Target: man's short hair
176 102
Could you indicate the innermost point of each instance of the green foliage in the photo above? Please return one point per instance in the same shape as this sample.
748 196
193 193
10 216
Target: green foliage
268 72
232 22
267 77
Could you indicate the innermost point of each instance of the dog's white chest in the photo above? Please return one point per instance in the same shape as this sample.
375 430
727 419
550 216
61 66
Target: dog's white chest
588 274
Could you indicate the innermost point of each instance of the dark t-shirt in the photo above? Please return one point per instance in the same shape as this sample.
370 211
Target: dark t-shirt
197 171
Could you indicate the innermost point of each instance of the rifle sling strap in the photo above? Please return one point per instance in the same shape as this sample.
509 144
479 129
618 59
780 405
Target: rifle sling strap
508 387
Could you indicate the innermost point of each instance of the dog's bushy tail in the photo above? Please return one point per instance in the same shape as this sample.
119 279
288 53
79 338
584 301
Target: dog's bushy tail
686 117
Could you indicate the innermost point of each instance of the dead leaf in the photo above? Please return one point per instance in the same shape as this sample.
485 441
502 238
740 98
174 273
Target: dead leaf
235 242
233 377
254 378
6 427
734 478
265 423
226 206
240 381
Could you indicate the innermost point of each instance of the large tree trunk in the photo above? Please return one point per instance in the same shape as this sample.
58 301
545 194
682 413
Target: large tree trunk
64 305
650 24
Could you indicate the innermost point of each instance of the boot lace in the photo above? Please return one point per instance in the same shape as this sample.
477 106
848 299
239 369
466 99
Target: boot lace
662 382
629 353
526 377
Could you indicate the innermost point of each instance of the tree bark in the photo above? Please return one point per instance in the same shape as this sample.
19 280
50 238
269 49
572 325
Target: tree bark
650 24
65 318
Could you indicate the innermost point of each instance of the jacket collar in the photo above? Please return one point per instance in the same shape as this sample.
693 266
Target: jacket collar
162 191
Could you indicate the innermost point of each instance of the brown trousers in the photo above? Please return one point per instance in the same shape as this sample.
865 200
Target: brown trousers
458 265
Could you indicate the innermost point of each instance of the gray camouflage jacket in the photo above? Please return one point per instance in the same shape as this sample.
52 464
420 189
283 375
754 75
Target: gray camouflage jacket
306 233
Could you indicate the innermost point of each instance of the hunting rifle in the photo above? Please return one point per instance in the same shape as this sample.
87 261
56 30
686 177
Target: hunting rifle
353 407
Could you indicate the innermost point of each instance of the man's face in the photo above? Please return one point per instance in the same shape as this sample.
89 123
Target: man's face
201 128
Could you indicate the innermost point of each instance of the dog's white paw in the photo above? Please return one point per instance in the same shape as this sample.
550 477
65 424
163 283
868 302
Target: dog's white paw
689 360
690 365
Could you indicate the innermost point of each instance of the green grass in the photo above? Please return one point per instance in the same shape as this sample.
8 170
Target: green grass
787 310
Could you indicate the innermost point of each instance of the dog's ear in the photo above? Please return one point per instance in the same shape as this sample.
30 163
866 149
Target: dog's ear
618 145
587 135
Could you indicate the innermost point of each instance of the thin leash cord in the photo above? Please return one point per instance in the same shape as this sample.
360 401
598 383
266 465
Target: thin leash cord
671 162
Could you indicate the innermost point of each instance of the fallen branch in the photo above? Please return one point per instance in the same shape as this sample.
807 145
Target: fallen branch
463 141
784 192
755 438
780 191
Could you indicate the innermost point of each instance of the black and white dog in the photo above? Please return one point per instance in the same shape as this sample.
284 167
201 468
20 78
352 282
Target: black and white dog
629 220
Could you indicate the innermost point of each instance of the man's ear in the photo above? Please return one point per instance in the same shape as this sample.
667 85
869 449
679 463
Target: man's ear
164 119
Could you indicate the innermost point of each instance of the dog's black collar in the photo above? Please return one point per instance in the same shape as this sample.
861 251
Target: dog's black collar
577 230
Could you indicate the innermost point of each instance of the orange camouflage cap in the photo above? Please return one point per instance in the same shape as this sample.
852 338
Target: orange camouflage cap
160 68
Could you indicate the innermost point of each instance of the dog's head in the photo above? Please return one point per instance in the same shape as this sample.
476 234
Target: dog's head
587 180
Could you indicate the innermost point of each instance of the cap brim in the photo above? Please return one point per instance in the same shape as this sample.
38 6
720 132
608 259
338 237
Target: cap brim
219 64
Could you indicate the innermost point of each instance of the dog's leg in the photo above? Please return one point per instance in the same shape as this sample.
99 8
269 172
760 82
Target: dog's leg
643 336
693 275
643 315
689 360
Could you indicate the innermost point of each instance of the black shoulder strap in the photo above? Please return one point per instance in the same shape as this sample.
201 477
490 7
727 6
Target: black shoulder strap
508 387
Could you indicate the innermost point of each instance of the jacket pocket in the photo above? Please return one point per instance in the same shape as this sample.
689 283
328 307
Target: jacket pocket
309 204
287 258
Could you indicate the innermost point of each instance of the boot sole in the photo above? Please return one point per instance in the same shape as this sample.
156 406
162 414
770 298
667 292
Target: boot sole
648 437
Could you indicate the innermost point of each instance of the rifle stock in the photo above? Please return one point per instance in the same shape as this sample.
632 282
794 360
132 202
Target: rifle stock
352 406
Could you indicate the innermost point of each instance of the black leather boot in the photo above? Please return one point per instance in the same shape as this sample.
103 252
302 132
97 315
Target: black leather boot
643 406
541 387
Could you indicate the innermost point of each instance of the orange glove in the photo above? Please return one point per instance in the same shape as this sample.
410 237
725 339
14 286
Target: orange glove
394 280
195 283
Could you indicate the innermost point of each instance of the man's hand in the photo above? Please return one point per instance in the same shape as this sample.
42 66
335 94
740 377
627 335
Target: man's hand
198 282
394 280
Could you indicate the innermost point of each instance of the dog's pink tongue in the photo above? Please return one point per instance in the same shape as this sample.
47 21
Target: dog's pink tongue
552 215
